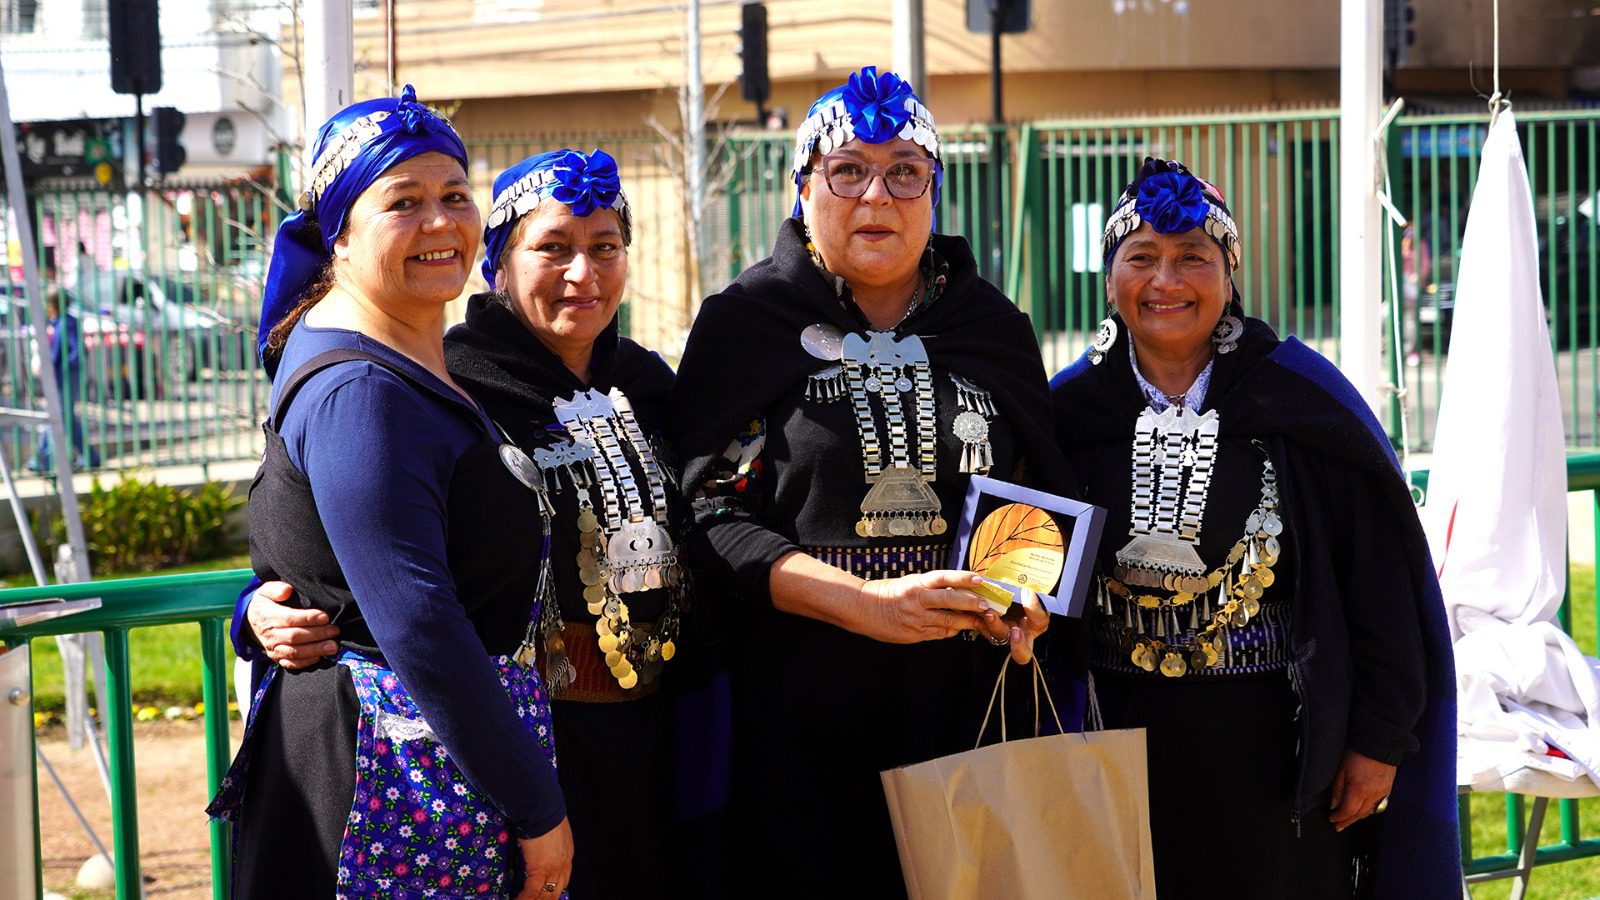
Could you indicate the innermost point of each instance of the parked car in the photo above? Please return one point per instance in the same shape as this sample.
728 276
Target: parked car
115 356
179 327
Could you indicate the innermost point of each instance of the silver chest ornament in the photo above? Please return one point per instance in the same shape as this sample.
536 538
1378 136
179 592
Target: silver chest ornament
901 501
1174 453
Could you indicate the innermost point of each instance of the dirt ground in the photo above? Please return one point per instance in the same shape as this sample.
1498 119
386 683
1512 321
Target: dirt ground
174 841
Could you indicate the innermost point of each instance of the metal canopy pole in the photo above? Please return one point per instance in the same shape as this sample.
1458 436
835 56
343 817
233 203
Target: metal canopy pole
1360 220
65 452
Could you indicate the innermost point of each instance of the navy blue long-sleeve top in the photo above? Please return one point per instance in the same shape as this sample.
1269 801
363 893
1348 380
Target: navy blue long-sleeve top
380 452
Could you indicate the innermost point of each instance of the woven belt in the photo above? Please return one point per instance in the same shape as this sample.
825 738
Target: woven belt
594 682
893 561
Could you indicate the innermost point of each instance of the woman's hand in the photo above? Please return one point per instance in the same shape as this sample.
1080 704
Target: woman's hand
548 861
1359 786
927 606
292 638
1026 620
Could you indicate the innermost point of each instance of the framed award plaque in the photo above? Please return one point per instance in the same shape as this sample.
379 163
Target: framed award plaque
1017 537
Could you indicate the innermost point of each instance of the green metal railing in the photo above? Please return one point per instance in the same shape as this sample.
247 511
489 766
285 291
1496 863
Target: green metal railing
208 599
1433 161
126 604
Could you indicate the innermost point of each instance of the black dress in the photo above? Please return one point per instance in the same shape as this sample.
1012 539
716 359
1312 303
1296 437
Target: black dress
777 464
616 748
1242 754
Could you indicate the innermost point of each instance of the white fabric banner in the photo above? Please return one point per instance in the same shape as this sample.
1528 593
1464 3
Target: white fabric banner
1496 505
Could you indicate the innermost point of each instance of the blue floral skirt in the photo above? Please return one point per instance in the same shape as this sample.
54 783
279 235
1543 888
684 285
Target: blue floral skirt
416 827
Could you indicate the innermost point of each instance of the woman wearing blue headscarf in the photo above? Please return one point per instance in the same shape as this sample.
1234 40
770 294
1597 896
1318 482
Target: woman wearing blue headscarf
417 761
831 406
543 353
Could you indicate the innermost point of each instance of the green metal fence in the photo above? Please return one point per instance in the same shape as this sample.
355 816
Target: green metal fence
126 604
165 290
1433 161
1279 172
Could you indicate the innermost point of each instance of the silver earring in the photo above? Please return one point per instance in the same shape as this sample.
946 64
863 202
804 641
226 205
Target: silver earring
1227 333
1103 340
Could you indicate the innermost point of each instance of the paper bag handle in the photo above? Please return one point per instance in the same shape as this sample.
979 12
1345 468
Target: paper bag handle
1039 682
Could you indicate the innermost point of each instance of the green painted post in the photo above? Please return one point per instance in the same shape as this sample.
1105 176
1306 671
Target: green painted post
215 661
1391 147
1514 832
118 708
736 209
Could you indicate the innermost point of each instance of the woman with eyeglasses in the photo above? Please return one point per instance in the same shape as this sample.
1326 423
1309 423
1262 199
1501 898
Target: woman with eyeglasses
831 405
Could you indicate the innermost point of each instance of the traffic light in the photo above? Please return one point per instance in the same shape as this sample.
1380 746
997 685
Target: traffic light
1399 31
170 154
754 83
135 35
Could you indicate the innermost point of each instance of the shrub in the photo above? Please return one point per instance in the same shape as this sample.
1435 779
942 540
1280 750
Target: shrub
138 524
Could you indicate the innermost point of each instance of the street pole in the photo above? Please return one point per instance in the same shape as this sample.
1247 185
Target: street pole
64 451
1360 220
694 157
329 63
390 45
910 60
997 150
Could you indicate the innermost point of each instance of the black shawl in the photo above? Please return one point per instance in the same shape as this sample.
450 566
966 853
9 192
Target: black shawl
744 352
516 378
1308 414
500 362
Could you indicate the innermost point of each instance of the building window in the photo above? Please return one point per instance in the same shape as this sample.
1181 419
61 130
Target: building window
366 7
18 16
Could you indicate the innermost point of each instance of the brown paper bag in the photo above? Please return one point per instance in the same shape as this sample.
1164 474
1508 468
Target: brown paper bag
1054 818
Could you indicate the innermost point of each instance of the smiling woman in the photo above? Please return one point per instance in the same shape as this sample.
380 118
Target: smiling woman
418 761
583 411
1270 617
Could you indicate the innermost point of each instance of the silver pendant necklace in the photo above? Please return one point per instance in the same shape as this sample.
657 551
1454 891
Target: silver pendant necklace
901 501
626 548
1167 510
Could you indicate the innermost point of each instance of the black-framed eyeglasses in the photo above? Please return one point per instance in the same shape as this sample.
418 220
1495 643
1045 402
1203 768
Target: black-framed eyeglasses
905 179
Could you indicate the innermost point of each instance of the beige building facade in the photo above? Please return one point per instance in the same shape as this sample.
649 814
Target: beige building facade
524 75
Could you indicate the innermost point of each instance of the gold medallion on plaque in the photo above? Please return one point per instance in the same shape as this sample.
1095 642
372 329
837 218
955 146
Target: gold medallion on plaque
1019 545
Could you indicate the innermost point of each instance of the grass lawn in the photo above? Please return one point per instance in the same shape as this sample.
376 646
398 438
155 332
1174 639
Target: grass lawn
166 672
164 660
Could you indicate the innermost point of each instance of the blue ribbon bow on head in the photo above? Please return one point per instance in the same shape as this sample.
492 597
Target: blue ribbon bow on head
877 104
584 182
871 107
1172 200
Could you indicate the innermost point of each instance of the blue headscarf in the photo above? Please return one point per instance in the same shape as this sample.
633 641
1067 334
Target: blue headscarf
1172 200
874 108
583 182
353 149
